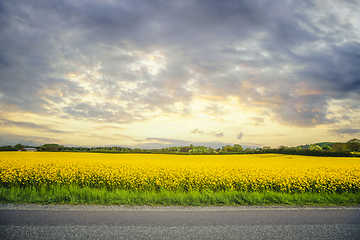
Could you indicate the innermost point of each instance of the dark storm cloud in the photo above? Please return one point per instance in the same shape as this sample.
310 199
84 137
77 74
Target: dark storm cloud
12 139
348 131
28 125
151 23
336 71
30 57
287 57
102 112
304 111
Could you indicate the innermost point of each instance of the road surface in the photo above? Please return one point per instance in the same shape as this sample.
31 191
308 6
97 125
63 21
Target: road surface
119 222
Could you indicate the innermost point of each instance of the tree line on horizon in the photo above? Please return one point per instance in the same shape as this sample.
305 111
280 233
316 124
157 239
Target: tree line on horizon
348 148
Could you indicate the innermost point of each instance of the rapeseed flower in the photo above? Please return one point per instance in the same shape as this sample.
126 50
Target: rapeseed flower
143 172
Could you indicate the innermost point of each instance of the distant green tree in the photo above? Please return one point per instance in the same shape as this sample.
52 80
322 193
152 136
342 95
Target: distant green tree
237 148
353 145
185 149
51 147
125 150
338 147
175 149
326 148
282 148
322 144
248 150
203 149
7 148
227 148
314 147
298 149
136 150
212 150
18 146
192 151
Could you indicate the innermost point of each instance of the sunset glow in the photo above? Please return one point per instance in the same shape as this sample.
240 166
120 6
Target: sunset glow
153 74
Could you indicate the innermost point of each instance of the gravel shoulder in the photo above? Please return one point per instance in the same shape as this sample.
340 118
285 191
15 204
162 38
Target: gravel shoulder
66 207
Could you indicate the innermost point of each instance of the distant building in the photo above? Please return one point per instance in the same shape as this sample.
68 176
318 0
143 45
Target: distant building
28 149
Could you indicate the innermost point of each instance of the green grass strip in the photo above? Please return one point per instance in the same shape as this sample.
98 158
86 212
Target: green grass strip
86 195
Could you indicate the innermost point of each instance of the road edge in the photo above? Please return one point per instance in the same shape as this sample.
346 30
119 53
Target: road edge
67 207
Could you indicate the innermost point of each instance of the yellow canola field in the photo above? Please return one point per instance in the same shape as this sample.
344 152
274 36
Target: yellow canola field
141 172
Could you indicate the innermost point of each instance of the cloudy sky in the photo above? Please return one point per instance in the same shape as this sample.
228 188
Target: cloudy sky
161 73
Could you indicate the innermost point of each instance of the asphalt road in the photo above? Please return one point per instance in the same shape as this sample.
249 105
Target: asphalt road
96 222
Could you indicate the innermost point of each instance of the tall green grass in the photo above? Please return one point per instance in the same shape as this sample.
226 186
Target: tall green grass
76 195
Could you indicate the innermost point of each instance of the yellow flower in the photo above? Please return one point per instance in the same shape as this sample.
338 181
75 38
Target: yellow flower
139 172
